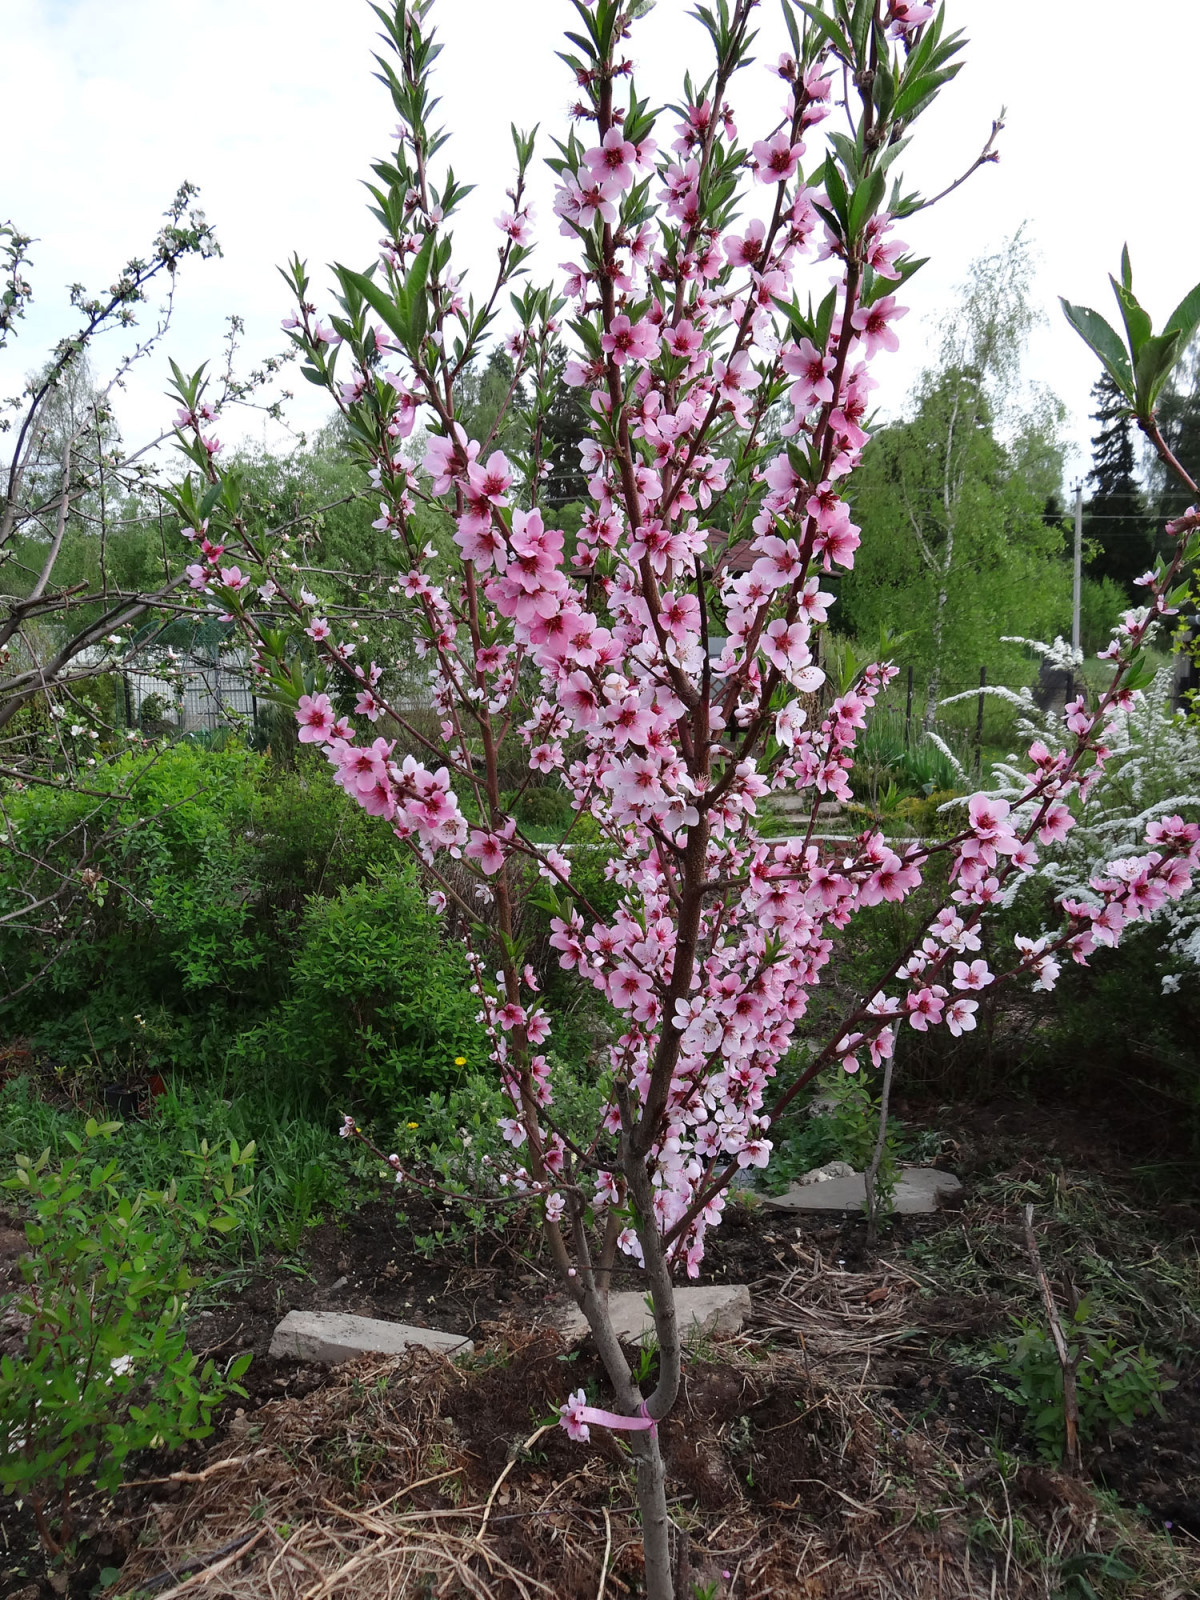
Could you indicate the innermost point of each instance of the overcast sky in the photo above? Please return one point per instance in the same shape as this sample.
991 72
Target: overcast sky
269 105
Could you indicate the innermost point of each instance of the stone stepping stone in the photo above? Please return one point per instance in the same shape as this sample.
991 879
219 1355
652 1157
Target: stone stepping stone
918 1190
331 1336
715 1308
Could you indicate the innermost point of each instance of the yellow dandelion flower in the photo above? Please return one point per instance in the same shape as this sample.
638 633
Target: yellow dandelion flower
414 1124
460 1061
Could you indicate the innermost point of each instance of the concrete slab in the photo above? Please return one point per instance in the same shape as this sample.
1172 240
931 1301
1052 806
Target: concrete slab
715 1308
918 1190
330 1336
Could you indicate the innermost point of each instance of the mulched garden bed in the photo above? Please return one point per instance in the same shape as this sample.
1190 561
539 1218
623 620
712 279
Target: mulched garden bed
842 1445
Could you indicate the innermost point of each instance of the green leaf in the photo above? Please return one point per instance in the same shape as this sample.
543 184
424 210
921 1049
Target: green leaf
826 26
835 188
380 302
1154 362
416 301
866 201
1104 340
1185 316
1137 323
824 321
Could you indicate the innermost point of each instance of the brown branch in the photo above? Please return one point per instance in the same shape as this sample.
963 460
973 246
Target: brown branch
1066 1361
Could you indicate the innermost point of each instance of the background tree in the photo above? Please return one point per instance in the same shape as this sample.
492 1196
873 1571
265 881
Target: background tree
1179 420
957 539
1116 523
77 512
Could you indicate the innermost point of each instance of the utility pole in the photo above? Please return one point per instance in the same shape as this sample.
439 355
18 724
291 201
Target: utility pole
1077 577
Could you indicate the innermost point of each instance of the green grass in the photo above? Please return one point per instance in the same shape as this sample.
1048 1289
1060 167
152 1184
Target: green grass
1141 1279
301 1167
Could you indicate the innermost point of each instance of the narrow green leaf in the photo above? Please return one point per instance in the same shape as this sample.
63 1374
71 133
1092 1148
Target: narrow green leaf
414 289
826 26
1137 321
1100 337
379 301
1153 367
825 313
1185 316
835 188
866 201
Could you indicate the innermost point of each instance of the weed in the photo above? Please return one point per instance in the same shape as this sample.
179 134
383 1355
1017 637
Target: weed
1114 1384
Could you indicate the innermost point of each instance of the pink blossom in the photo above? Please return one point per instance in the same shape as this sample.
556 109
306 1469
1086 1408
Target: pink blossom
516 225
777 158
613 159
629 340
975 976
811 368
874 324
486 848
960 1016
746 250
906 15
571 1415
314 713
1056 824
925 1006
491 482
684 340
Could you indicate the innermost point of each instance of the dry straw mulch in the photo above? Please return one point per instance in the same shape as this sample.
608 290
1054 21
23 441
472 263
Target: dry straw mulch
792 1474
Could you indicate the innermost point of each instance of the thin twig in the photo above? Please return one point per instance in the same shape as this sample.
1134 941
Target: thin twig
189 1477
1065 1360
509 1465
607 1553
206 1567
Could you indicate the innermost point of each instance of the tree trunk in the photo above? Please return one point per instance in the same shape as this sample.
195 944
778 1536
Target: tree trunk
656 1524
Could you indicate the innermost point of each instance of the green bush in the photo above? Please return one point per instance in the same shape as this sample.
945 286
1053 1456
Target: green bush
377 997
846 1129
254 928
105 1368
544 806
302 1166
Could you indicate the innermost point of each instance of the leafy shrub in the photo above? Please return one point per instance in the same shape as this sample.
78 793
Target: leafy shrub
544 806
453 1137
377 998
591 857
925 817
105 1369
916 764
1114 1384
842 1126
189 936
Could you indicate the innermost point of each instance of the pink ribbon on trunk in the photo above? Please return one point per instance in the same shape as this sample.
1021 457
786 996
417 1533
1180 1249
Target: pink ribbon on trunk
574 1416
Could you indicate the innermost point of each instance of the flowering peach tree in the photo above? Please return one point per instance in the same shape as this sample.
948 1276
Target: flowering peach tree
661 663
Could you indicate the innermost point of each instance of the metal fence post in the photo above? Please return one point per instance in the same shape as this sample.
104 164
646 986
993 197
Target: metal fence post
979 721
